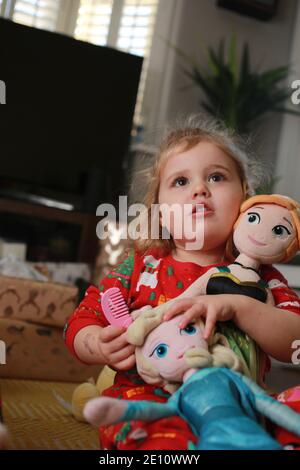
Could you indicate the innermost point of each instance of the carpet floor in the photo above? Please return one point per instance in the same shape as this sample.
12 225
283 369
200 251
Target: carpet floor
37 421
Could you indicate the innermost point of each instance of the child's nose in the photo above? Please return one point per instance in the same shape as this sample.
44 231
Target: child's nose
200 189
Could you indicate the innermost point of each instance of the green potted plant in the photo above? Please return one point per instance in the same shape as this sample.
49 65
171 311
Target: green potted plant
236 93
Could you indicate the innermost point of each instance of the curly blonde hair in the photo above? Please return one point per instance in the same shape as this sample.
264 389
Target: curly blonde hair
182 136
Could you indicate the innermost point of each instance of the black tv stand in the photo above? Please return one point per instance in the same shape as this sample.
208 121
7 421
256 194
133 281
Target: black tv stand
16 214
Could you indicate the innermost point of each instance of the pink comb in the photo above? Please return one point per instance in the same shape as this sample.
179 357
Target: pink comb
115 308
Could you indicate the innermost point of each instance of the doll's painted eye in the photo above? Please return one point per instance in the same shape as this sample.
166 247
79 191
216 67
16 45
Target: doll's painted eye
189 330
160 351
281 231
253 218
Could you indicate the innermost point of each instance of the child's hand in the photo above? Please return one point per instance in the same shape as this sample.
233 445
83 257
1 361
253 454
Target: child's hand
211 308
117 352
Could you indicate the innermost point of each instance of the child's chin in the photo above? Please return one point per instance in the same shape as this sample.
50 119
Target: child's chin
193 244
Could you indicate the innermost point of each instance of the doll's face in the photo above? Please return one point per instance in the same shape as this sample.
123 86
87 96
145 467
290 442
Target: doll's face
264 232
166 345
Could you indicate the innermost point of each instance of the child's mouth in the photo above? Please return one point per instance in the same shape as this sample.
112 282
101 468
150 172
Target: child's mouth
201 210
202 213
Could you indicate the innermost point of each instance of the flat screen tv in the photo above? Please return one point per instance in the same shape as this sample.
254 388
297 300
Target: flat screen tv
65 128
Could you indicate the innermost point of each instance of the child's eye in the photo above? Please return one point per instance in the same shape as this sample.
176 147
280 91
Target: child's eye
281 231
180 181
216 177
189 330
160 351
253 218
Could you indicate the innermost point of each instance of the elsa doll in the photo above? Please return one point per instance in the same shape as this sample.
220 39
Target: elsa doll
222 406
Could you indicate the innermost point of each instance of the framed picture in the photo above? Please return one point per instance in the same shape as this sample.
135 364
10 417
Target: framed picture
260 9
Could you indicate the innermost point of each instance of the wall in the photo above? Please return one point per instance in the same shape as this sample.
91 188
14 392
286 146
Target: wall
187 23
288 161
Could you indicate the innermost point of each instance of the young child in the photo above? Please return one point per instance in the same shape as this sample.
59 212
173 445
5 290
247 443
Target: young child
197 163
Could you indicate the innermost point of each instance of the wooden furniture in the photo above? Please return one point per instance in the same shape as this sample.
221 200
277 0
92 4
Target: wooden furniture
88 243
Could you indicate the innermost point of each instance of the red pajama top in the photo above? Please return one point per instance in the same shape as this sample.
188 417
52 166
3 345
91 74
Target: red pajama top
152 280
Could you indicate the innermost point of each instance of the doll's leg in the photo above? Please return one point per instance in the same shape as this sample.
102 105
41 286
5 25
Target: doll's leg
104 410
171 433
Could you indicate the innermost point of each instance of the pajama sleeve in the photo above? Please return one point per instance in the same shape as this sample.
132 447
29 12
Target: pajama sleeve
89 311
285 298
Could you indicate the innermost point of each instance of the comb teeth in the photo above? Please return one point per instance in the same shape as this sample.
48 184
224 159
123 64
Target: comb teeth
115 308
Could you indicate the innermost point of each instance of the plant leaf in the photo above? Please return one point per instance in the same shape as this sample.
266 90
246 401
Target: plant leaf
234 93
232 59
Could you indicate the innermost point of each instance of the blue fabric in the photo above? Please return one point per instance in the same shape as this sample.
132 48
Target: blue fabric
219 407
148 410
222 408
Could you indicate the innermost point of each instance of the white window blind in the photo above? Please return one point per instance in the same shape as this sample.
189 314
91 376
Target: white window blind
125 24
2 8
93 21
38 13
136 28
135 36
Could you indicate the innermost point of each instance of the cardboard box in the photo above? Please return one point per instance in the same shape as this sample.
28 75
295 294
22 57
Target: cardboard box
64 273
38 352
46 303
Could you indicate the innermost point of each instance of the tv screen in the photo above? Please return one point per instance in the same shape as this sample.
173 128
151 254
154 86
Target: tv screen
65 128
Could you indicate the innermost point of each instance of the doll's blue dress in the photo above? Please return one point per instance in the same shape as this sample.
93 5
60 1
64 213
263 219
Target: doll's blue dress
224 410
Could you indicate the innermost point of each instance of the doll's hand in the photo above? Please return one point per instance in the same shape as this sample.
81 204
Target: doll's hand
211 308
117 352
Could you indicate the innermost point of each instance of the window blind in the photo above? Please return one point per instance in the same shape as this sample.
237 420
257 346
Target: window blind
93 21
38 13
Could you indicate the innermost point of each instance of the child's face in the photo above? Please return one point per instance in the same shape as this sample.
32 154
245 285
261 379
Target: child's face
264 232
203 175
166 345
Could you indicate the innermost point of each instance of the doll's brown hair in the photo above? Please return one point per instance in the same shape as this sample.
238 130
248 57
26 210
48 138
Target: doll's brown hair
284 201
